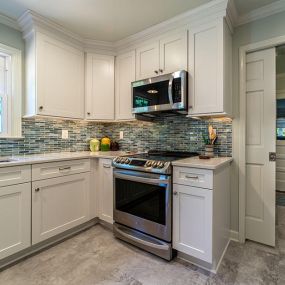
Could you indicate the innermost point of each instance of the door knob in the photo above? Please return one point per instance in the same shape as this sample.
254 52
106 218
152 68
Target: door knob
41 108
272 156
156 72
175 193
161 70
37 189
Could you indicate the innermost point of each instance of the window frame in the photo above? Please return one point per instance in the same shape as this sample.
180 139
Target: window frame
13 101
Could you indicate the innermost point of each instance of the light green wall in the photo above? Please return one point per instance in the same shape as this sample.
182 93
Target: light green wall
260 30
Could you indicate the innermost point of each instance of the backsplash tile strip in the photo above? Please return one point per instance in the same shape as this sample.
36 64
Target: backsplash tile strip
172 133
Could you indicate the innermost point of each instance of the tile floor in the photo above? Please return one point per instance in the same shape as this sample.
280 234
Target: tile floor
96 257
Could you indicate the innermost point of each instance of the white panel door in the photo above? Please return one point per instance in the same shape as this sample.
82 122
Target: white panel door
106 190
147 61
125 74
206 69
192 221
60 79
173 53
260 140
15 218
59 204
100 103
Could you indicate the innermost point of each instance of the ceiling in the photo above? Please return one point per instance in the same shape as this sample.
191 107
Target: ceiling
111 20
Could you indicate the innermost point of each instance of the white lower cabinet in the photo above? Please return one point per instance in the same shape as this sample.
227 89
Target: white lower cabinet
201 214
105 187
192 221
15 218
59 204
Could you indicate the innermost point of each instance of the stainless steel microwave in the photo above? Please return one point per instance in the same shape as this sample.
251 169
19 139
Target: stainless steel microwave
162 94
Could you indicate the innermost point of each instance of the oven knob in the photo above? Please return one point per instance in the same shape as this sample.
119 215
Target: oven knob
117 160
127 161
160 164
148 163
154 164
123 160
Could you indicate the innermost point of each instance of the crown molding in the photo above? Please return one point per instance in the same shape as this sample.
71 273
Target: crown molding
10 22
262 12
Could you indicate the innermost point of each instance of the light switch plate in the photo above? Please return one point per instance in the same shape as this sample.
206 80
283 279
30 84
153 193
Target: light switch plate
64 134
121 135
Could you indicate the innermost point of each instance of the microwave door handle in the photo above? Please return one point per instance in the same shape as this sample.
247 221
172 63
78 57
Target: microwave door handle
170 88
141 179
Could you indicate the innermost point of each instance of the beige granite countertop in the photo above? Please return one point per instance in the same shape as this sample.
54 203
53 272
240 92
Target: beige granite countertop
57 156
196 162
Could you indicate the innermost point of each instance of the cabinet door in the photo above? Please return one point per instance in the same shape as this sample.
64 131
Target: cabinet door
106 190
15 218
192 221
147 61
125 75
60 79
100 87
59 204
173 53
206 70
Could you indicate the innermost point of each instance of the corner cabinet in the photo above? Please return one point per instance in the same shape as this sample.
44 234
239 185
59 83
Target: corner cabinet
168 54
125 74
54 78
210 70
99 96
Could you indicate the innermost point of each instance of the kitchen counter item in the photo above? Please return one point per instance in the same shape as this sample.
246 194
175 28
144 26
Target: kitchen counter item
94 145
105 144
114 146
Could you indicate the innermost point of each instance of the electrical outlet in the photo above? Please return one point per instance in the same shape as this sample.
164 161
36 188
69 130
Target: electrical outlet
64 134
121 135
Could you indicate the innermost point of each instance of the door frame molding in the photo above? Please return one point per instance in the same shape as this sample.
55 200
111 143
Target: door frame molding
243 50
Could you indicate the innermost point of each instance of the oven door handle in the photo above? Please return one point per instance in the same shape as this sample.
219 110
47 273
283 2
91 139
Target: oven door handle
134 178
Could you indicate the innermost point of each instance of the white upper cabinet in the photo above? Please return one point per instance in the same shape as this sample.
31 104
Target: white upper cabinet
54 78
169 54
173 53
125 74
147 61
99 97
210 70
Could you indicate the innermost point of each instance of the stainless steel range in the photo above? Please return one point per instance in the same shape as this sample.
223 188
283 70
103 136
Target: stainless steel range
143 200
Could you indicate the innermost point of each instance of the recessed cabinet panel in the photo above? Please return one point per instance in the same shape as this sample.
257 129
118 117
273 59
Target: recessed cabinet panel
147 61
99 87
15 218
173 53
59 204
125 75
60 78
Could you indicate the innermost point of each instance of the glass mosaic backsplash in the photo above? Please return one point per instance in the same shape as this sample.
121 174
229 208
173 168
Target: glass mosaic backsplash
172 133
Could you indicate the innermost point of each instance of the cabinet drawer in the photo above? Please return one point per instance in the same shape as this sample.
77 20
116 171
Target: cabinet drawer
196 177
57 169
15 175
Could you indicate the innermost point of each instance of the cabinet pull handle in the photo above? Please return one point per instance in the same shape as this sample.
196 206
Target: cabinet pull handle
175 193
41 108
65 168
156 72
191 177
88 113
106 166
37 189
161 70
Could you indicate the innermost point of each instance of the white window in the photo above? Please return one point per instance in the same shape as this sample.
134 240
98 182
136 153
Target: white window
10 92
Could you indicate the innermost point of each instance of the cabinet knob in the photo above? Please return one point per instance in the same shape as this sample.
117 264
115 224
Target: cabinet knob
156 72
175 193
88 113
41 108
37 189
161 70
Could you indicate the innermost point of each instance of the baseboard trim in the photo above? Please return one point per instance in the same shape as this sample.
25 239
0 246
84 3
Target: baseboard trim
35 249
234 235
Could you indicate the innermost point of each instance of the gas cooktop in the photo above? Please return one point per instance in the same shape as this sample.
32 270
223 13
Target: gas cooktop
156 161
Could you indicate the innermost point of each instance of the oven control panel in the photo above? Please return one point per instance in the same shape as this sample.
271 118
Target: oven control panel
155 166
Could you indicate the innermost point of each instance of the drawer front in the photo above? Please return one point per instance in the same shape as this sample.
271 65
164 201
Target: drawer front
58 169
202 178
15 175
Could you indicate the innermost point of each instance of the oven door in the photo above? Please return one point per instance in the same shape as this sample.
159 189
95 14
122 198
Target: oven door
143 202
162 93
